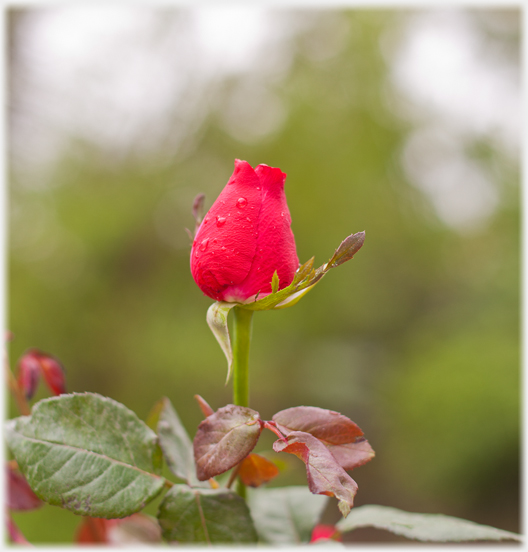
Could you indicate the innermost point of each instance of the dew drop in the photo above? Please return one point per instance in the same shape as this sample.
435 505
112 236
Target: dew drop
204 244
258 187
223 248
241 202
220 221
248 219
282 214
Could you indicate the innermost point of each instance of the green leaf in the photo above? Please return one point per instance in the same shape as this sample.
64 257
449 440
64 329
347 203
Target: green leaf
224 439
88 454
275 282
285 515
217 320
422 527
175 443
152 422
205 516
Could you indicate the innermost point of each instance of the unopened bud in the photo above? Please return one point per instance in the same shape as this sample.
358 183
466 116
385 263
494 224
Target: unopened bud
28 374
35 362
53 373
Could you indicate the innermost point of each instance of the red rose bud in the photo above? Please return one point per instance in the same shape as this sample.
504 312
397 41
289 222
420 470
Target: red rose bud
50 368
245 237
28 374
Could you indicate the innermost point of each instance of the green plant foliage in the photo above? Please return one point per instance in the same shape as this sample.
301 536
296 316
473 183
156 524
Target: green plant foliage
88 454
417 340
285 515
176 445
423 527
205 516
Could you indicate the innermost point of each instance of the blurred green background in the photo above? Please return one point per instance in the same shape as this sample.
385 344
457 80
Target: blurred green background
402 123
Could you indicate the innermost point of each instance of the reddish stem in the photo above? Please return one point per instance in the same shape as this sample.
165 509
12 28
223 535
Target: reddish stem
14 532
273 427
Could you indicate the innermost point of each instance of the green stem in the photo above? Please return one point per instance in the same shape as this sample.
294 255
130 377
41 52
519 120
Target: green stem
241 341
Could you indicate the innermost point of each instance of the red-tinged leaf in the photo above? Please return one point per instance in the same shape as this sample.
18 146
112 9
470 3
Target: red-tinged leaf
53 373
326 532
137 528
28 374
93 530
19 493
204 406
328 426
325 475
224 439
341 435
352 455
255 470
15 534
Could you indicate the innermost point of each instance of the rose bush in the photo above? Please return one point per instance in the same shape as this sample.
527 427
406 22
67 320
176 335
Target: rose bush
245 237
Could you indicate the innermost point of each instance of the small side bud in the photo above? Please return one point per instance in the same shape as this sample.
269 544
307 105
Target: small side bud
35 361
53 373
28 374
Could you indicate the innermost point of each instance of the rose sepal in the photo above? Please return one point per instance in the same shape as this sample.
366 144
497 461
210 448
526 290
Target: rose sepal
217 319
304 280
306 277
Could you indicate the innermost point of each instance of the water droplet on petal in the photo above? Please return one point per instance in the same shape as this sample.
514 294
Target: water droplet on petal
204 244
248 219
258 187
220 221
241 202
223 248
282 214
